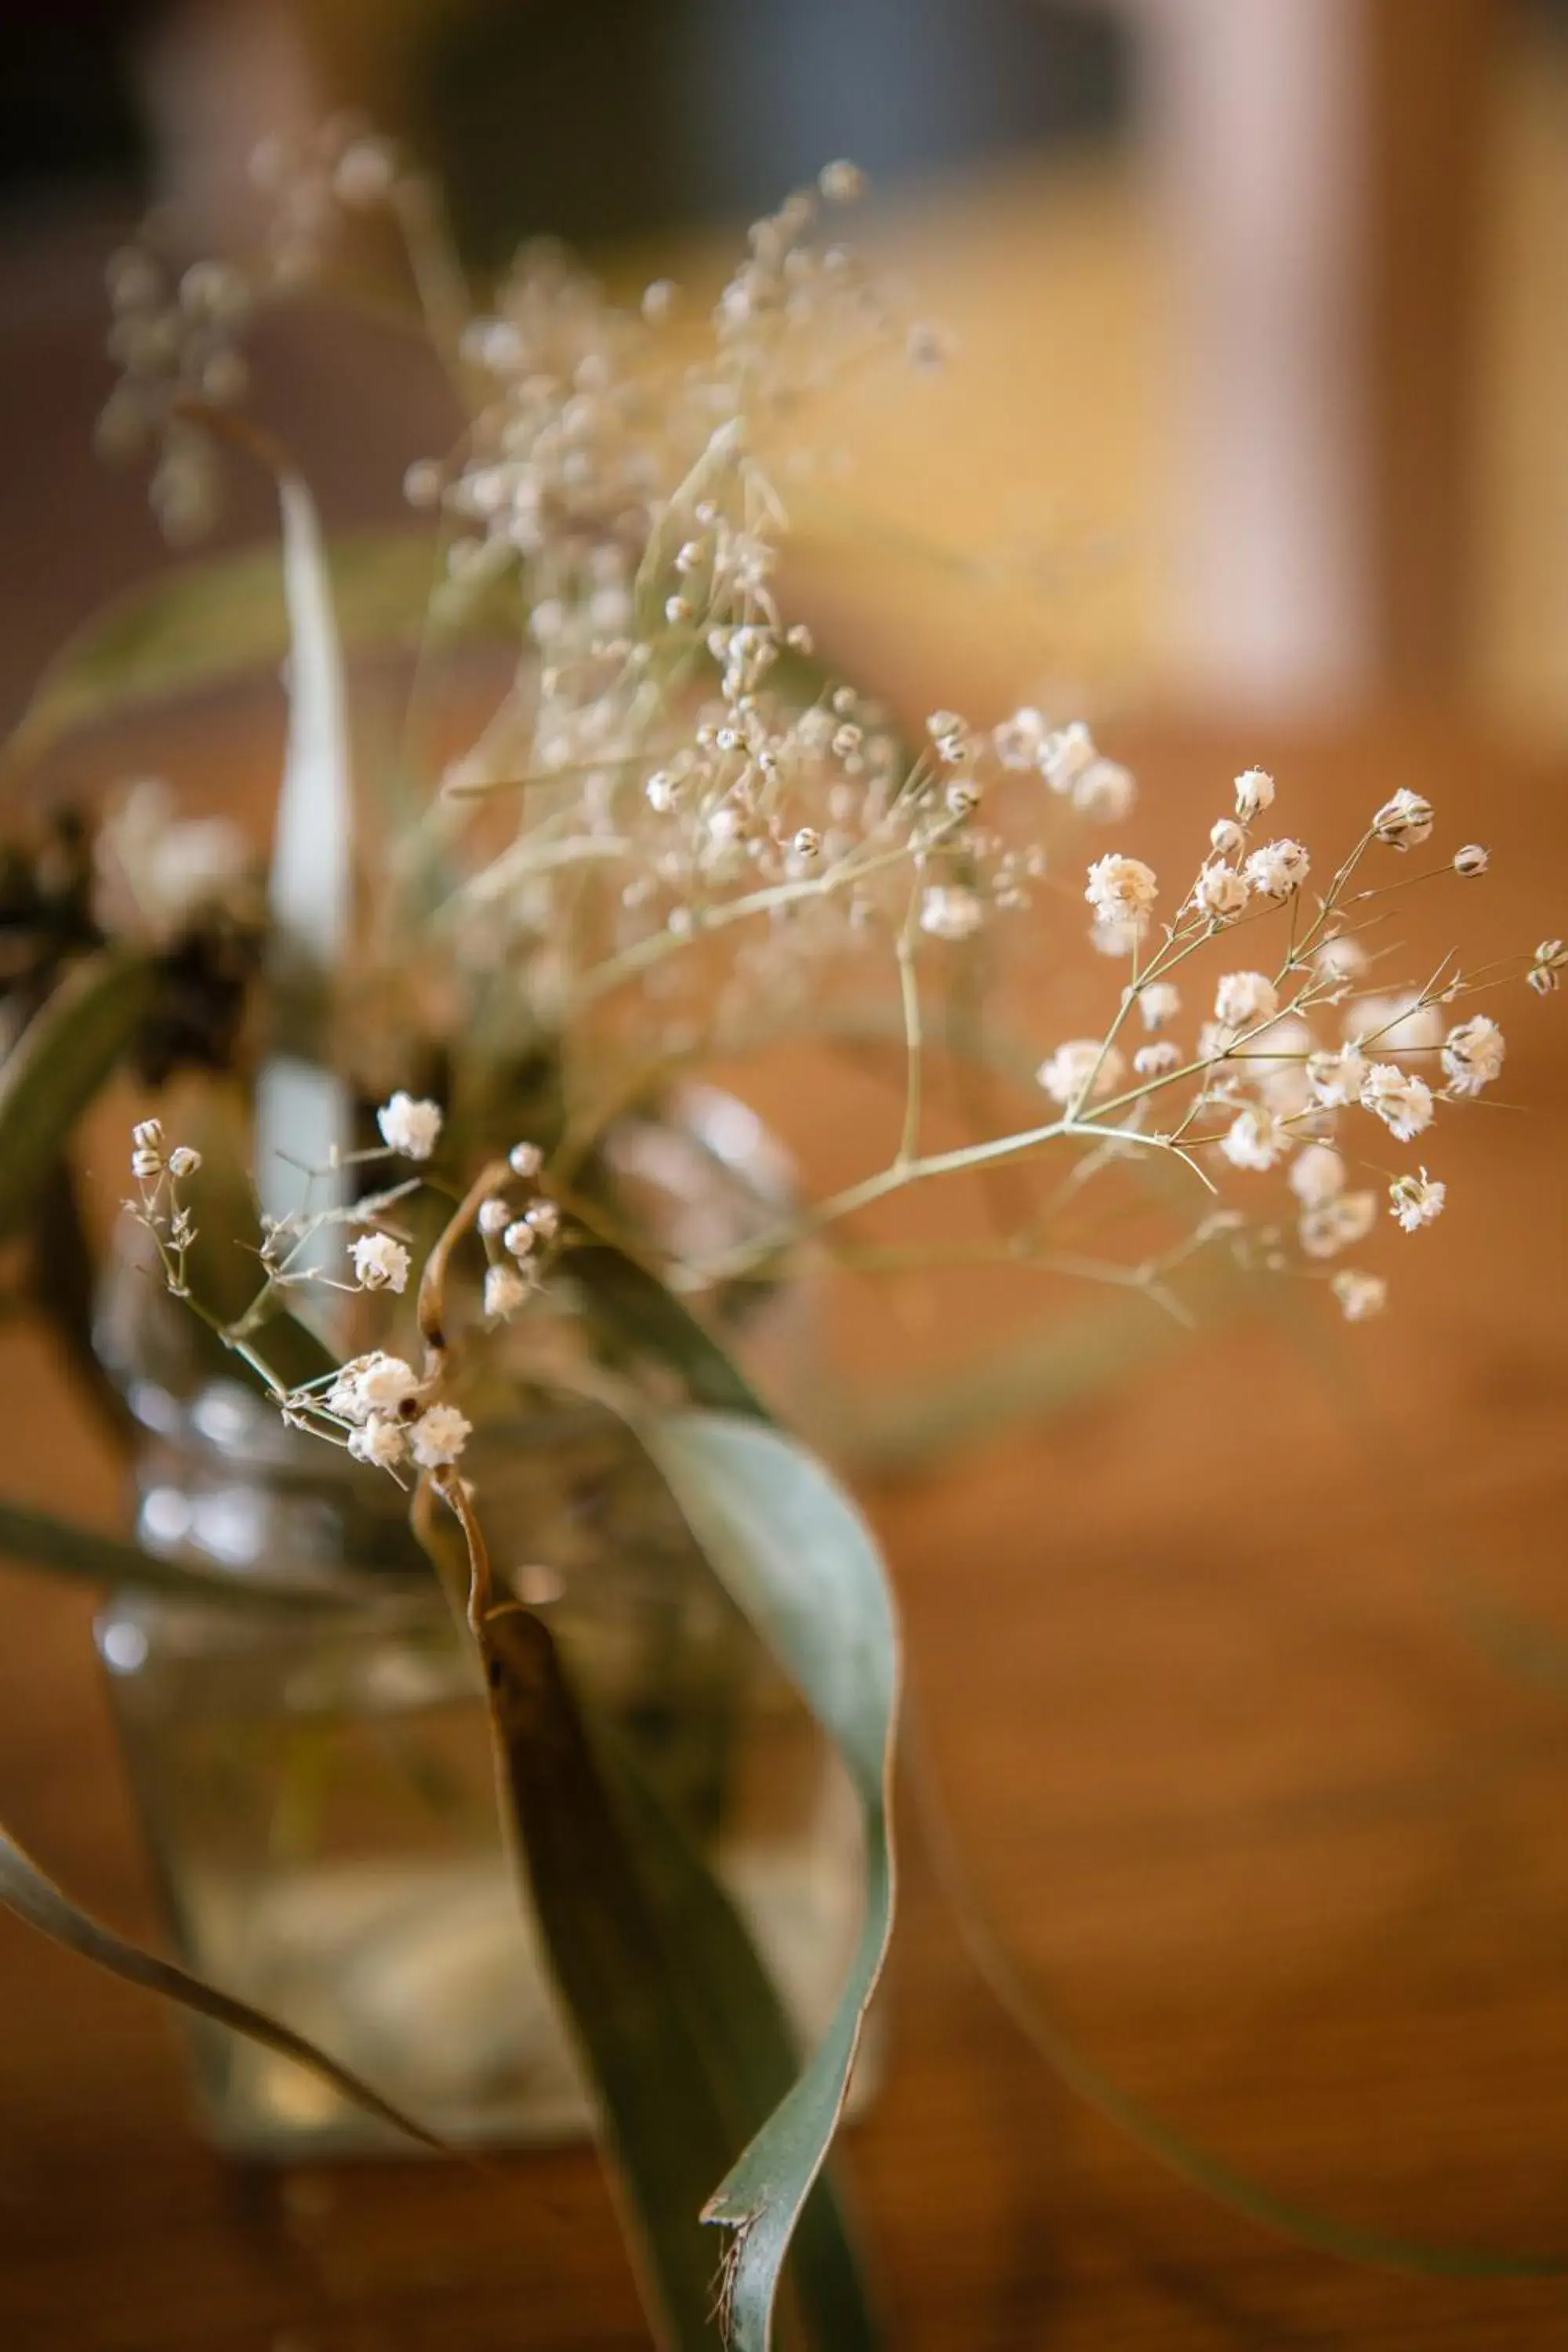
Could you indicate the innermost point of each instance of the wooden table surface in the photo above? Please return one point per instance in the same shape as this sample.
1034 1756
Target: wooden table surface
1255 1732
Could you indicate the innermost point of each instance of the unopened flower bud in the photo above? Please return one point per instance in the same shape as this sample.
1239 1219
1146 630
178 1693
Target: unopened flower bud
1472 858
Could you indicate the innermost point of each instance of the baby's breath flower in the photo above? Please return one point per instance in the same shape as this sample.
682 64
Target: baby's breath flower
1225 837
1327 1227
1400 1023
1360 1295
1336 1080
1254 793
1154 1061
1255 1138
1105 792
1473 1054
1071 1068
525 1160
409 1126
145 1165
380 1263
544 1219
1317 1174
495 1216
1472 859
842 183
1404 822
1243 999
1159 1003
147 1150
439 1435
1221 892
947 912
1416 1201
521 1238
505 1291
1403 1103
377 1383
1546 966
1121 889
1066 754
1019 742
1278 868
380 1442
184 1160
1340 958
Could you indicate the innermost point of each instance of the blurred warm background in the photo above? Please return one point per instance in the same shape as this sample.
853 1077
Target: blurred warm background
1254 446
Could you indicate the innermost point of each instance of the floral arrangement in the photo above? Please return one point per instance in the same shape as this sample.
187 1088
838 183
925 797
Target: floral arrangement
676 836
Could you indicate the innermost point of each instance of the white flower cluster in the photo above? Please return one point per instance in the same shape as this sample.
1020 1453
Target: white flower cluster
1265 1089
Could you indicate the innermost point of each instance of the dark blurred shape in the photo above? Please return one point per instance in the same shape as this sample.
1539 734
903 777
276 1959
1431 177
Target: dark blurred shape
68 112
619 118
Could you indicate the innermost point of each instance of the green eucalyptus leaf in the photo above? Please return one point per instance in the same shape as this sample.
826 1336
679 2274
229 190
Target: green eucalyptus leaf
748 2043
622 1986
67 1053
637 1310
34 1896
801 1564
207 624
60 1548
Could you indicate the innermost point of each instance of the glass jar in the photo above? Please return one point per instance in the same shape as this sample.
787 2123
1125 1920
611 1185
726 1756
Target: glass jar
318 1790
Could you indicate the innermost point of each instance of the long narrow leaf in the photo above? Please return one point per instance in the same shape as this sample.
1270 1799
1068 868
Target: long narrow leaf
66 1052
637 1310
33 1895
800 1563
748 2046
83 1555
205 624
619 1984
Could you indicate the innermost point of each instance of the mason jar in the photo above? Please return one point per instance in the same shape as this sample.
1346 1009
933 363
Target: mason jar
318 1788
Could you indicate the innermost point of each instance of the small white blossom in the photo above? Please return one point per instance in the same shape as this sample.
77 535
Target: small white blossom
1317 1174
1360 1295
1341 958
505 1291
525 1160
1225 837
1278 868
1018 741
1255 1138
1254 793
1336 1080
409 1126
1399 1025
157 872
1068 1071
1159 1003
1243 999
842 183
1473 1054
1154 1061
1403 1103
1327 1227
1105 793
949 911
544 1218
521 1238
1416 1201
439 1435
1546 966
1221 892
1404 822
184 1160
1472 859
1066 755
495 1216
379 1441
380 1263
1121 889
377 1383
